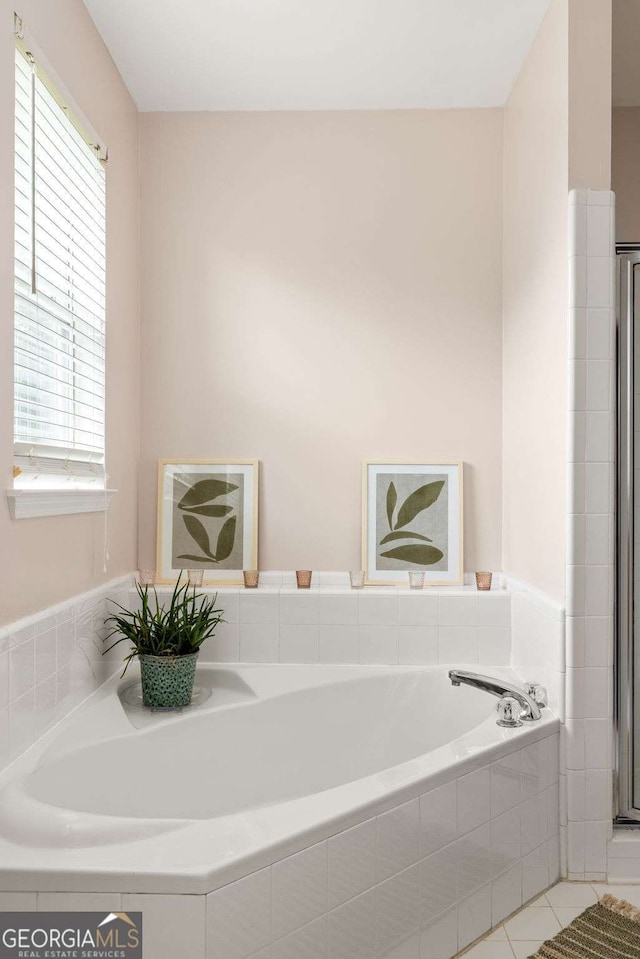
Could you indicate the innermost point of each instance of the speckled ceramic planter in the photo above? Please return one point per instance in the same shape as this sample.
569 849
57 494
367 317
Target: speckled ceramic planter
167 681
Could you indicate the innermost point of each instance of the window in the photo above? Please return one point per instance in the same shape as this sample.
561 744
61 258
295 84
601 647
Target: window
59 358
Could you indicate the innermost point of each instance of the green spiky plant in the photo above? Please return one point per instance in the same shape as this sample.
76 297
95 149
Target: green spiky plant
178 628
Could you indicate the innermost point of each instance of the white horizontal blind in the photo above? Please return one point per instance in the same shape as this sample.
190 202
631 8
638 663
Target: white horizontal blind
59 353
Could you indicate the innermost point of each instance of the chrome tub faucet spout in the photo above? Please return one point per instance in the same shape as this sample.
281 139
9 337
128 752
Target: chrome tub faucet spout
531 711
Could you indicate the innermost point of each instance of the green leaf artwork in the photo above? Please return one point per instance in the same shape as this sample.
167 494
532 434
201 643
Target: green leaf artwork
198 532
421 499
404 534
197 502
392 499
217 511
226 539
418 501
204 491
415 553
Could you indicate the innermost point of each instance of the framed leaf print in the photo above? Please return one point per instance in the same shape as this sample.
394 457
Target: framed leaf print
207 519
412 520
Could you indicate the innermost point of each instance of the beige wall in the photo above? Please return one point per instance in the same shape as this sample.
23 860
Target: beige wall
535 310
317 289
45 560
590 29
625 179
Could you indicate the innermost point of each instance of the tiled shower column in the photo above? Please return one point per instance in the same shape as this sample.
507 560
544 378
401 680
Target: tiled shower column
590 533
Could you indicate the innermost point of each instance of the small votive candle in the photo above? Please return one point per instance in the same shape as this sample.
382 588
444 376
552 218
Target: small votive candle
251 577
303 578
195 577
356 578
483 581
416 579
147 577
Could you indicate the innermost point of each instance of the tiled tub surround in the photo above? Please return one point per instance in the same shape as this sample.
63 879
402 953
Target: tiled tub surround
591 537
418 873
50 662
374 626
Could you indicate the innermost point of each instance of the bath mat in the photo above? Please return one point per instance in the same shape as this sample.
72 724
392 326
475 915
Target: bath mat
608 930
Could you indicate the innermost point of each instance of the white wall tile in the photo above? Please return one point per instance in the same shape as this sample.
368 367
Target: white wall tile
45 654
599 286
439 939
598 437
223 646
229 601
494 646
239 917
299 889
259 644
474 916
438 882
475 860
439 818
397 906
458 610
418 645
419 609
599 334
338 610
598 744
506 893
397 832
598 805
299 608
352 862
409 948
458 644
595 848
378 645
310 942
577 334
494 609
474 800
21 669
505 840
173 925
533 822
599 239
578 283
298 644
535 873
597 487
352 928
338 644
259 607
506 788
375 609
598 692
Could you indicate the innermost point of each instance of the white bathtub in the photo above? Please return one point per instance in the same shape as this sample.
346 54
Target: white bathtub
284 762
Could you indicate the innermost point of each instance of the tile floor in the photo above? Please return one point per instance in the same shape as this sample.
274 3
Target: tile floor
525 931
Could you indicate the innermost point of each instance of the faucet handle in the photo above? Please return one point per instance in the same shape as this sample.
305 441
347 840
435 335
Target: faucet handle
538 693
509 712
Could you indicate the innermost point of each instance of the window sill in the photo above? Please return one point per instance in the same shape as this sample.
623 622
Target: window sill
29 503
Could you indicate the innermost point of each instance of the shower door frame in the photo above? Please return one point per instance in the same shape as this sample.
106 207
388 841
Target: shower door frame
628 257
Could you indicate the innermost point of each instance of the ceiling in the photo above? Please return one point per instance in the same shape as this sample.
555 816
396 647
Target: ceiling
317 54
626 61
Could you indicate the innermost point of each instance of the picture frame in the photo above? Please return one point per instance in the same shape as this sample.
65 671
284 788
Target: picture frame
402 503
207 519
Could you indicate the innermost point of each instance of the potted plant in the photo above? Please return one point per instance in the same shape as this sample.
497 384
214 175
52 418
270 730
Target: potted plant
166 639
